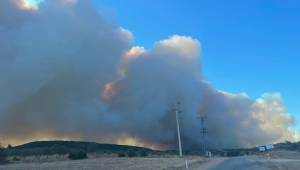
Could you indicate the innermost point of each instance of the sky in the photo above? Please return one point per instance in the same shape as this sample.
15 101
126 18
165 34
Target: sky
249 46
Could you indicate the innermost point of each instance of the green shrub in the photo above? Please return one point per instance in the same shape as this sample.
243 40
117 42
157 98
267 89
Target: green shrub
77 155
131 154
16 158
143 154
121 155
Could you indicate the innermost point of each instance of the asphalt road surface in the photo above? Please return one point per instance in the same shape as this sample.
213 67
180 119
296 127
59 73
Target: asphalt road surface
236 163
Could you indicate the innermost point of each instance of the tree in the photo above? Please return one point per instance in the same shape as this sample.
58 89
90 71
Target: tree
9 146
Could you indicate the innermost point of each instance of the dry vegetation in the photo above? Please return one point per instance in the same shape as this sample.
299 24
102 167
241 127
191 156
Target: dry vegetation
112 163
55 155
280 160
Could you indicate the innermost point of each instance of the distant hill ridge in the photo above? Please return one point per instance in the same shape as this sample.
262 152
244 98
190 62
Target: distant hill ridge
65 147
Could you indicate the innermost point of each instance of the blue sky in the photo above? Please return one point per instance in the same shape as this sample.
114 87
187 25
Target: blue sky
249 46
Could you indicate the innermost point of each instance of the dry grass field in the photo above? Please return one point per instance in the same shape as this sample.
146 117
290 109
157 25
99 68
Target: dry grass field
102 163
275 160
281 160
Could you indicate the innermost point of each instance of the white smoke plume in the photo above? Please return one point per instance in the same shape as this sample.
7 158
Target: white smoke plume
68 73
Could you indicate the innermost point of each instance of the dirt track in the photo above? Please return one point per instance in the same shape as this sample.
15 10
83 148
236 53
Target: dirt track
239 163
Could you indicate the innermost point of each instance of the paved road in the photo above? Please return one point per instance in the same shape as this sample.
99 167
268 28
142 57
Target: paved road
236 163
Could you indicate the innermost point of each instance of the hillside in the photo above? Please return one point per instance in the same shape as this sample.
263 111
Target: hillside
294 146
65 147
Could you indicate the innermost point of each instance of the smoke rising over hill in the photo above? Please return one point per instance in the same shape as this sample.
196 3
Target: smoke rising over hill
68 73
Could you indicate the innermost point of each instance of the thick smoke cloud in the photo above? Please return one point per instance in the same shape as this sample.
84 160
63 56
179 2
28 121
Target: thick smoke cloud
153 80
68 73
53 67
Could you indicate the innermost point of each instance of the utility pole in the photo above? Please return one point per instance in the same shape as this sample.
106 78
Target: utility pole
177 111
203 131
